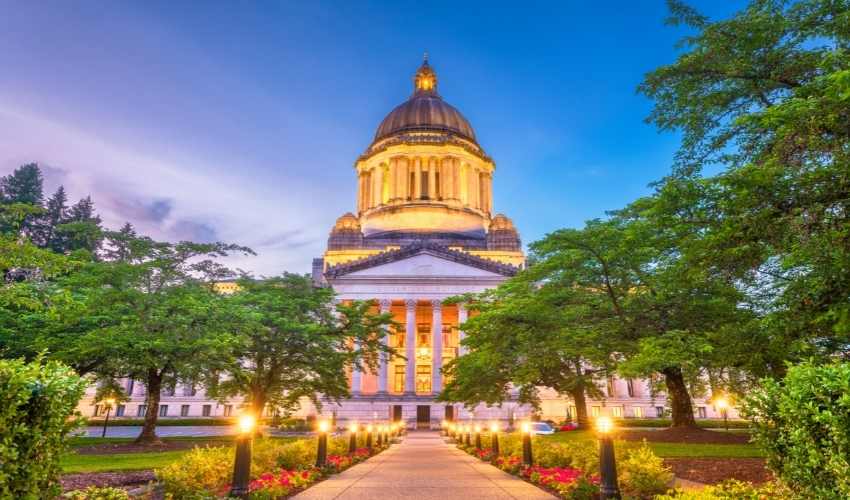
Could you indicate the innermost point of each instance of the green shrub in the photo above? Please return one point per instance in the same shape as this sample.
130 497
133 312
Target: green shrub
95 493
38 401
732 489
803 423
201 473
642 474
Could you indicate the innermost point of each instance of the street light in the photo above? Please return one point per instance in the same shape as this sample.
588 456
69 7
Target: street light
607 462
478 437
467 435
242 464
527 457
494 438
108 402
322 451
721 403
352 438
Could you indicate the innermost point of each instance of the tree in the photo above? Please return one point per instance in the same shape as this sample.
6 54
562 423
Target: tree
150 315
55 214
295 343
530 332
24 185
766 94
82 229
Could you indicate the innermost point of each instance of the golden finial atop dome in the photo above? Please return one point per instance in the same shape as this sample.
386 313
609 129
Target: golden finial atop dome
425 80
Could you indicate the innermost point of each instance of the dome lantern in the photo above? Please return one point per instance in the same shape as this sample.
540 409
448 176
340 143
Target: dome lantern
425 79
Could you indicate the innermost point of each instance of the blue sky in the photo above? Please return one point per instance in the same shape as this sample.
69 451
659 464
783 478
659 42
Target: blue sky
241 121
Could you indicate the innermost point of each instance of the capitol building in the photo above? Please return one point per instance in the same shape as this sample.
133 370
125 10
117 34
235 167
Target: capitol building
424 228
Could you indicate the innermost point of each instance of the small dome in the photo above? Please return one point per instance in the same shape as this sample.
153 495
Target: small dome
502 235
425 111
347 221
346 233
500 221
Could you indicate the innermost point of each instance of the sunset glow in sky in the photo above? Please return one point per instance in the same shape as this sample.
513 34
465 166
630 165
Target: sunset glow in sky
241 122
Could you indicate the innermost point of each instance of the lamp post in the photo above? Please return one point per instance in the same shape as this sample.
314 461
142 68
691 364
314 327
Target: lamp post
478 437
494 438
721 403
108 402
607 463
322 451
352 437
467 435
527 457
444 428
369 429
386 429
242 464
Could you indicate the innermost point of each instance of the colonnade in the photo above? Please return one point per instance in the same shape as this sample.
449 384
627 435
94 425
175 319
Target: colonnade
405 178
413 350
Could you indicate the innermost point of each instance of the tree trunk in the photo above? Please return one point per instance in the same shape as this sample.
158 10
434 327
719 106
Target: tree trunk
153 383
680 400
581 407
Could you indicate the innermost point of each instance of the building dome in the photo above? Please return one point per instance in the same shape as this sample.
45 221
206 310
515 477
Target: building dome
425 111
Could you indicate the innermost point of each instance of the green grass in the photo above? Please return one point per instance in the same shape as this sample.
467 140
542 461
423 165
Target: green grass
73 462
79 441
672 450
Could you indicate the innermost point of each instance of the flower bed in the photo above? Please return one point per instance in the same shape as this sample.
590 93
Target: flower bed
278 470
565 470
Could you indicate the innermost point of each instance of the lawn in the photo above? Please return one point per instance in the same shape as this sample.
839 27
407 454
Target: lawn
672 450
73 462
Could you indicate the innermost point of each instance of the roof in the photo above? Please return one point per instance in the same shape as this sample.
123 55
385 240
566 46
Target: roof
417 248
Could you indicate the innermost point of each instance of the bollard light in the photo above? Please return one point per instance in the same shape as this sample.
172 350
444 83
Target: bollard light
369 429
352 437
242 463
607 462
527 457
721 403
478 437
494 438
467 435
322 451
386 431
444 426
108 402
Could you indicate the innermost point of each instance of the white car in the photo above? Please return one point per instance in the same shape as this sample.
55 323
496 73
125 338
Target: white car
541 428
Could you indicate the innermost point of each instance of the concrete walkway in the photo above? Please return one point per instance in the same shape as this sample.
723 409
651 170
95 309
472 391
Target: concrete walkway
423 466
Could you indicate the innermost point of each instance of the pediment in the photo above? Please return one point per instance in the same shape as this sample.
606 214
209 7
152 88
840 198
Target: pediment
423 264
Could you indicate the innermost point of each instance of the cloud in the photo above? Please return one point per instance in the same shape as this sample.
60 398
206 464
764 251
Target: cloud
170 198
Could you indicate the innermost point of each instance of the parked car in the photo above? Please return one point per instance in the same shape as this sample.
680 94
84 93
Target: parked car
571 426
541 428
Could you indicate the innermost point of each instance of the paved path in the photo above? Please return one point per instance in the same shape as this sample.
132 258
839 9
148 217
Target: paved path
423 466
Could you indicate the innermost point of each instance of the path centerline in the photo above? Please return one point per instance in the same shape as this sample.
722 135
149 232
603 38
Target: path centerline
423 466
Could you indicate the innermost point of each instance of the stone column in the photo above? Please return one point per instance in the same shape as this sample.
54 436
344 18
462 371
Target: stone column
461 318
417 180
410 348
391 180
448 179
403 177
379 185
473 186
437 343
384 361
432 179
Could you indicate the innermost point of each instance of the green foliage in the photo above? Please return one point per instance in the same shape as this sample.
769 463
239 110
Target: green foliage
39 401
732 489
296 343
804 425
201 471
98 493
642 474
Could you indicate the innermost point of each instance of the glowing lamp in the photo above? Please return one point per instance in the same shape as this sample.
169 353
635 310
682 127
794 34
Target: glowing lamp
353 427
604 425
247 423
109 401
526 427
423 351
477 428
722 403
369 428
494 427
324 426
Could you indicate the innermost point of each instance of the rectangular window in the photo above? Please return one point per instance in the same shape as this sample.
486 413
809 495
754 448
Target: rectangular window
228 410
398 379
611 387
119 411
169 391
630 386
129 387
184 410
205 410
189 390
659 411
423 379
594 411
424 191
571 413
96 411
141 410
437 191
617 412
637 411
701 412
163 410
